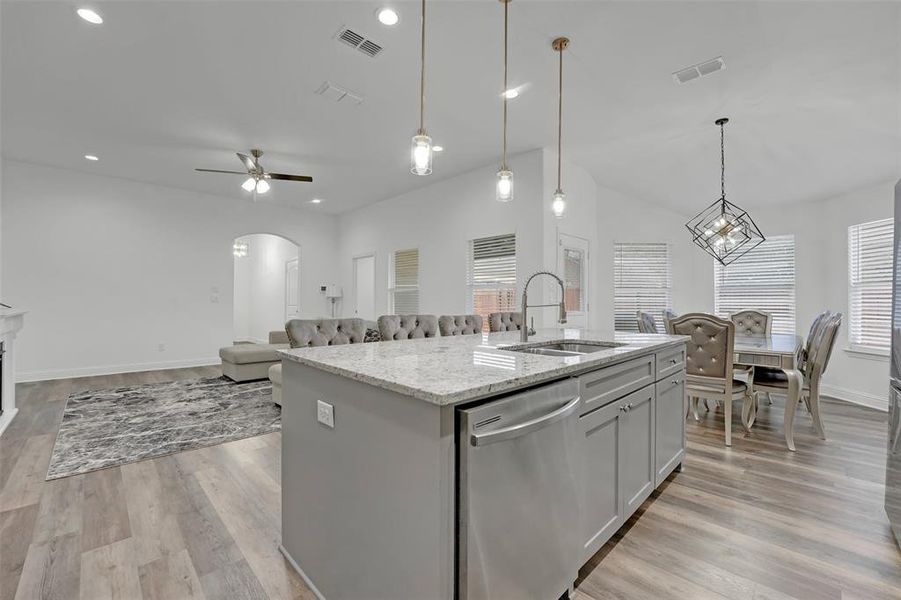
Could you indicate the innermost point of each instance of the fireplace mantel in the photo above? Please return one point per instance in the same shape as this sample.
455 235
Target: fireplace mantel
11 321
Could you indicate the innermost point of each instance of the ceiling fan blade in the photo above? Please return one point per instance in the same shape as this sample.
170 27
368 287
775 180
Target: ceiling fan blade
248 161
284 177
219 171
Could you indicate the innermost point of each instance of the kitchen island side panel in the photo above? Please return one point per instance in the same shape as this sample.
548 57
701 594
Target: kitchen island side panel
367 507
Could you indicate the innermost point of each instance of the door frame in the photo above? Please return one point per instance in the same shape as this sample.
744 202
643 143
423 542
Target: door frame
296 263
586 270
354 259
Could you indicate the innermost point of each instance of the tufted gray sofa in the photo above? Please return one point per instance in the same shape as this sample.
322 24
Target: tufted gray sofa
324 332
247 362
752 322
505 321
460 324
407 327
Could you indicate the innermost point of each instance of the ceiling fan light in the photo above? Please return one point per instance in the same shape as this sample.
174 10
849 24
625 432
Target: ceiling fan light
249 184
90 16
558 204
262 186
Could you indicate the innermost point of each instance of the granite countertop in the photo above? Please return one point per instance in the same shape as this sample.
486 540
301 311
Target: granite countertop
449 370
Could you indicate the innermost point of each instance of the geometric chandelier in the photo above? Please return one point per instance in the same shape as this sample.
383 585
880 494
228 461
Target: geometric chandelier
723 230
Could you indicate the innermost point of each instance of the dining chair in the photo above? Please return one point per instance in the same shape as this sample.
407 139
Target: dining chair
668 315
820 344
460 324
505 321
407 327
751 322
646 323
709 359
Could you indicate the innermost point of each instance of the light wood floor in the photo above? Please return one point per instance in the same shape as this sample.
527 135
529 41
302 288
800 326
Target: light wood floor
753 521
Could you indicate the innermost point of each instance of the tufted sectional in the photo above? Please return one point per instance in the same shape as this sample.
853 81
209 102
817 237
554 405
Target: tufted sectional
407 327
505 321
460 324
303 333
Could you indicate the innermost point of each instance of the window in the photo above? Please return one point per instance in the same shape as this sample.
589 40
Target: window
763 279
870 285
491 275
403 285
641 281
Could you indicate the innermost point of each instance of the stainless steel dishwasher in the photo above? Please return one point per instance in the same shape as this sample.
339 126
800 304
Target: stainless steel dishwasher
517 520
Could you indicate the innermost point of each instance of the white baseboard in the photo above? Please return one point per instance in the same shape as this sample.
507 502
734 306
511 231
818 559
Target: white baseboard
26 376
855 397
300 572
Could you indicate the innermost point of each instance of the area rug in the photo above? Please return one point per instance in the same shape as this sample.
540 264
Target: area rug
107 428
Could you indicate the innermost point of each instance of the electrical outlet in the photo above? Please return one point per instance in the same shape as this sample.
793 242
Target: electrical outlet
325 413
161 347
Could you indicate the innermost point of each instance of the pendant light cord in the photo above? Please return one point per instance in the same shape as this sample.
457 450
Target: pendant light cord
504 159
722 161
560 121
422 76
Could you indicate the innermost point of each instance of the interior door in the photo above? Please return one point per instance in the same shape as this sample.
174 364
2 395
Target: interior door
364 287
291 289
572 265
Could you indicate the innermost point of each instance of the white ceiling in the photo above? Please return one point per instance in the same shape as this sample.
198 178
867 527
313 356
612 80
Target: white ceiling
813 90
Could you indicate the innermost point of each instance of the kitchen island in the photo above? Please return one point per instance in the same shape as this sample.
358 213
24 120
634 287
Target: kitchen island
379 501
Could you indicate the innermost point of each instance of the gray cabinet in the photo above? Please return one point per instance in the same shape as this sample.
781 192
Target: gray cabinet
637 472
670 425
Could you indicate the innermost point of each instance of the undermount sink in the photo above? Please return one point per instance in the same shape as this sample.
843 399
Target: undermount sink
564 348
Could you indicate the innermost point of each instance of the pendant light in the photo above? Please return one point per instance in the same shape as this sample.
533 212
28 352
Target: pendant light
421 150
723 230
505 175
558 204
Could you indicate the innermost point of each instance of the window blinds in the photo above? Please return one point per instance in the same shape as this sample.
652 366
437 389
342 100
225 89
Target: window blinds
405 282
870 284
491 275
641 281
762 279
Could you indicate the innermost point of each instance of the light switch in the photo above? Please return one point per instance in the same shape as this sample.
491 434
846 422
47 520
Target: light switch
325 413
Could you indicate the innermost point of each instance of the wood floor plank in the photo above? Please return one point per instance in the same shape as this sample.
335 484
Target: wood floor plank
105 510
171 577
109 572
24 485
52 570
16 527
153 526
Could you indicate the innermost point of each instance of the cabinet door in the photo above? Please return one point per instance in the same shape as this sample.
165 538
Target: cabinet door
601 502
670 424
636 449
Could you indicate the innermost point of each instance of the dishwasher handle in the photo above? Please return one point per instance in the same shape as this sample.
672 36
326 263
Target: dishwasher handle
506 433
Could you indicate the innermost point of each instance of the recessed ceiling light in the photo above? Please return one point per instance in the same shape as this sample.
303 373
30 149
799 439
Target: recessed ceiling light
511 94
387 16
437 148
316 201
90 16
91 157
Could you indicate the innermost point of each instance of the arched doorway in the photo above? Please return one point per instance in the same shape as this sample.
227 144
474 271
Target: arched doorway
267 285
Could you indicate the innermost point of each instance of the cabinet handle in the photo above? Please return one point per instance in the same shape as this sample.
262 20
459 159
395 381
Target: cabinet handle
675 381
673 361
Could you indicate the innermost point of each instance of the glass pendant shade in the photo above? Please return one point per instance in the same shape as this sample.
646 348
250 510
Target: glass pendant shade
504 185
558 204
262 186
249 184
725 231
421 155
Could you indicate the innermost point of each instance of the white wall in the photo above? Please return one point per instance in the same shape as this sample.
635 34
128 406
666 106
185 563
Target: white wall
259 294
111 268
440 219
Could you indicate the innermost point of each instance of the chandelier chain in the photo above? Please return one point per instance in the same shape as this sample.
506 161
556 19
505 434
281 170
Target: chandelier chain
422 75
722 161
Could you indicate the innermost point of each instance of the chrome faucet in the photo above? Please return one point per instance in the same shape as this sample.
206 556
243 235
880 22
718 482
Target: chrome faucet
524 332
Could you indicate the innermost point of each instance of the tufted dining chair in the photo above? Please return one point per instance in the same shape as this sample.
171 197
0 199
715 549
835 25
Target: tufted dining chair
646 323
752 322
505 321
668 315
407 327
815 358
324 332
460 324
709 357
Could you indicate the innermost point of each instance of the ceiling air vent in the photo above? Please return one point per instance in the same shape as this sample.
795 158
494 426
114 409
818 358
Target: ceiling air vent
339 94
355 40
700 70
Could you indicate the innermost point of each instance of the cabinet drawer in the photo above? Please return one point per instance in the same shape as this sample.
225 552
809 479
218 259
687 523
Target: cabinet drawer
670 361
609 383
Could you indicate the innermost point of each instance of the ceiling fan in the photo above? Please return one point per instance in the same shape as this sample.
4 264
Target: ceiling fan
258 178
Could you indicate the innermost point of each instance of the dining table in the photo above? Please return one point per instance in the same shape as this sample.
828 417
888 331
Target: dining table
776 351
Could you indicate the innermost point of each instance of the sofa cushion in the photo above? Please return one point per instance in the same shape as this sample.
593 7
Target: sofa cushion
372 335
279 337
505 321
407 327
243 354
275 374
460 324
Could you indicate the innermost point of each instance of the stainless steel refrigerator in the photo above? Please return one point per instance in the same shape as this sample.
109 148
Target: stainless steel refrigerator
893 462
